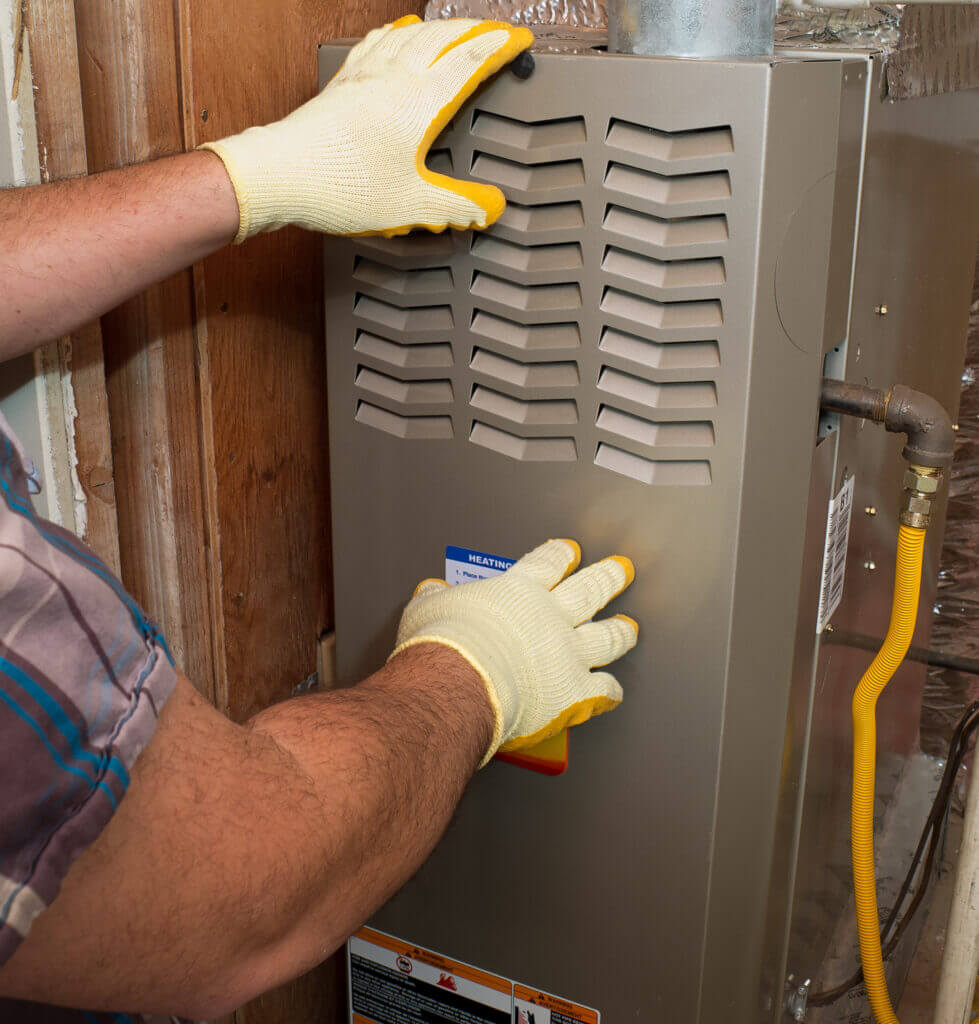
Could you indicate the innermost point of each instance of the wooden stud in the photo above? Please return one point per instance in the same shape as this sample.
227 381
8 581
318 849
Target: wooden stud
131 97
50 28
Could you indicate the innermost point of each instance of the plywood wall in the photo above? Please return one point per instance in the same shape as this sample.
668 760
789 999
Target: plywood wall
214 394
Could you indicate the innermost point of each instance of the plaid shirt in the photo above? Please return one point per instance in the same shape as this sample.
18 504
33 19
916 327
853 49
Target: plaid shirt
83 676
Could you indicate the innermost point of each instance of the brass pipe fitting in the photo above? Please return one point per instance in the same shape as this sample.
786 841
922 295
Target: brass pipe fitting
921 486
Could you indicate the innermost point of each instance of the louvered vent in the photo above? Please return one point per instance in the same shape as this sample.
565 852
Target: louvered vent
404 322
588 322
665 234
526 289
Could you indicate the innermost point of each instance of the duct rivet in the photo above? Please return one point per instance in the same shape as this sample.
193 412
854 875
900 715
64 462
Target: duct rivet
870 565
871 510
880 310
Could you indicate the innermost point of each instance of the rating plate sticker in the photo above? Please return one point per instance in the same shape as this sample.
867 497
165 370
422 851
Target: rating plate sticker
834 554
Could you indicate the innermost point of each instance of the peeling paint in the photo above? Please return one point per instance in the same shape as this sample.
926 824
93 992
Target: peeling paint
15 140
48 464
78 497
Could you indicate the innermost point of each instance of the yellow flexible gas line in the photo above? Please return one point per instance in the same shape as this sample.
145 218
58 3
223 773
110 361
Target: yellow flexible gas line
907 583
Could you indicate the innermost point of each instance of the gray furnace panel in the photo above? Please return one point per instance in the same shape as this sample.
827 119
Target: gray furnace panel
630 357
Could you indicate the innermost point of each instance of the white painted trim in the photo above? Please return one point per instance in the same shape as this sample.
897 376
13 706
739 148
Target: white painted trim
36 394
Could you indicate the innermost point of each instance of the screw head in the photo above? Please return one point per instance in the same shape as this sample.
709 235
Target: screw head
870 510
870 565
881 310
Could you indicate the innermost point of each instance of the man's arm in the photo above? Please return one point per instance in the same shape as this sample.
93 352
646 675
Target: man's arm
244 855
348 162
72 250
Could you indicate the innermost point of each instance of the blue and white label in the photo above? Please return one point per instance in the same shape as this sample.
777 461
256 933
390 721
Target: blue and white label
463 565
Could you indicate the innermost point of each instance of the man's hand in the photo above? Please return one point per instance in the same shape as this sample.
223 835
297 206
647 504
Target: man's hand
530 638
352 160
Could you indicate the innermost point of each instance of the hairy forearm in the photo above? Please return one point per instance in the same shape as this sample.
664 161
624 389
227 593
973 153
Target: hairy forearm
72 250
242 856
389 761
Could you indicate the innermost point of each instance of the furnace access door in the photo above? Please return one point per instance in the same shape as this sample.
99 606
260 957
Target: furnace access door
630 357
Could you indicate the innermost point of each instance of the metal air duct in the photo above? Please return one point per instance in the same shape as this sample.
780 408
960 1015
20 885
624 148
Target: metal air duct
692 28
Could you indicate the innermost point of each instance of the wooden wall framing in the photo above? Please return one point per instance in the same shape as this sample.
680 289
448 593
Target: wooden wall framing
211 385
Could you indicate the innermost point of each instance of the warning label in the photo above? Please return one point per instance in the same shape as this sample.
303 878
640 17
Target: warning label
393 982
532 1007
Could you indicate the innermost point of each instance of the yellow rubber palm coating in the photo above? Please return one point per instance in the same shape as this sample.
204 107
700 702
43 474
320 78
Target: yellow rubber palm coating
530 637
432 583
904 610
351 161
628 618
575 560
630 569
489 197
576 714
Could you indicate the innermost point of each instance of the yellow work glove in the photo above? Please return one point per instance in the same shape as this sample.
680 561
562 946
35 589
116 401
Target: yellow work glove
530 638
351 161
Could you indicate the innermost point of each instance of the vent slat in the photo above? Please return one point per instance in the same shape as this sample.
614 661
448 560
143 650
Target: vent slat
701 315
524 449
405 392
554 176
534 298
546 218
666 189
692 144
666 395
561 257
410 284
408 428
407 357
525 375
664 233
529 135
663 274
694 472
543 412
413 320
530 337
671 434
676 355
410 251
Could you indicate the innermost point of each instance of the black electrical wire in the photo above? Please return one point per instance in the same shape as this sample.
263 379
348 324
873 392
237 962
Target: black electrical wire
936 659
931 835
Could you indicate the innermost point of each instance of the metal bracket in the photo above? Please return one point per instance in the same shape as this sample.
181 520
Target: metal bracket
797 998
